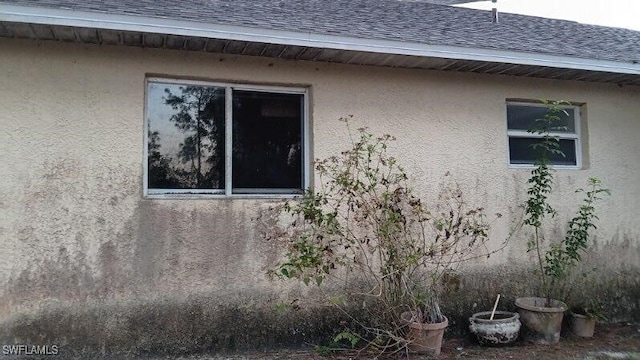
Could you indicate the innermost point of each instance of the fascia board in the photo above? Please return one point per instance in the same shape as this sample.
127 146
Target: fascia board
134 23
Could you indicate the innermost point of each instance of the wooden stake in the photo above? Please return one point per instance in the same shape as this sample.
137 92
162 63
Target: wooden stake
494 307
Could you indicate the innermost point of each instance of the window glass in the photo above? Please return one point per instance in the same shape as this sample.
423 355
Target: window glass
186 139
185 136
521 151
267 140
523 117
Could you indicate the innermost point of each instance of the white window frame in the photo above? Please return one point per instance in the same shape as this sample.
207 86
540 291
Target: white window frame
561 135
227 191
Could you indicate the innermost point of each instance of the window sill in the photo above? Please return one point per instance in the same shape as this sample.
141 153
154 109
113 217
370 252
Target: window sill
554 167
220 196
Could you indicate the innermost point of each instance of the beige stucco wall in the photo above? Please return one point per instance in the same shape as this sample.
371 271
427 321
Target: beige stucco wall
75 229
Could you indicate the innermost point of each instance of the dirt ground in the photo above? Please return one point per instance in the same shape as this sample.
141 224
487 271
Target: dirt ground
611 341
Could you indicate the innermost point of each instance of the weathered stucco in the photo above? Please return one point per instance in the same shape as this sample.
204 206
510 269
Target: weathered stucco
90 264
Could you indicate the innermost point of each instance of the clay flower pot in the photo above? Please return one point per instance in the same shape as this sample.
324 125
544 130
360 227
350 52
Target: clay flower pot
541 324
582 325
502 330
423 338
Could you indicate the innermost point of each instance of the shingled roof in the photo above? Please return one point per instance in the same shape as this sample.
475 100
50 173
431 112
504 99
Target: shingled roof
394 24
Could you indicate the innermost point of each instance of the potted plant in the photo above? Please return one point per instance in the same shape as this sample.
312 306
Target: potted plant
542 316
424 332
376 247
584 317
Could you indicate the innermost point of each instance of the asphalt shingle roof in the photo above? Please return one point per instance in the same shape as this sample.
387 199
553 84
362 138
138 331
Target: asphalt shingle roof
398 20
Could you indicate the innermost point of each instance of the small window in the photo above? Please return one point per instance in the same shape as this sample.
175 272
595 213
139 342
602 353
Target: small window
522 117
223 139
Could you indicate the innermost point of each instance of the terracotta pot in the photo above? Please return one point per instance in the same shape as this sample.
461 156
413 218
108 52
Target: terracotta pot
424 338
541 324
502 330
582 325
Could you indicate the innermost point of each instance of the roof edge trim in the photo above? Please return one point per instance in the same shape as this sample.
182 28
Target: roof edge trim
136 23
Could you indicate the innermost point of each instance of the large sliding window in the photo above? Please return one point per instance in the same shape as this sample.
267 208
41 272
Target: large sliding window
225 139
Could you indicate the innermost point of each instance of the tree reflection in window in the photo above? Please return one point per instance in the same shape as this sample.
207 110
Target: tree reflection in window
186 140
192 151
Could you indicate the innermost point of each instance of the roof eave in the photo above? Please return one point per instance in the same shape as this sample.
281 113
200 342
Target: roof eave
136 23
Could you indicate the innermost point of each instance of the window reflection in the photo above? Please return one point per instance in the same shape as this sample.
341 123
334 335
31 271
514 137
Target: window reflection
186 140
186 136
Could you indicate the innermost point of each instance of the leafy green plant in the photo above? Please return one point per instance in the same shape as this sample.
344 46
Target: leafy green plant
364 227
557 261
344 340
350 337
591 309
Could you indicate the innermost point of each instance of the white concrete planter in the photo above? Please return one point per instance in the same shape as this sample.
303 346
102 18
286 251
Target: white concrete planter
541 324
502 330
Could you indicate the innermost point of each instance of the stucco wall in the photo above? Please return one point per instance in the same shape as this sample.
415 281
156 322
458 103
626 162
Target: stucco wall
82 252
